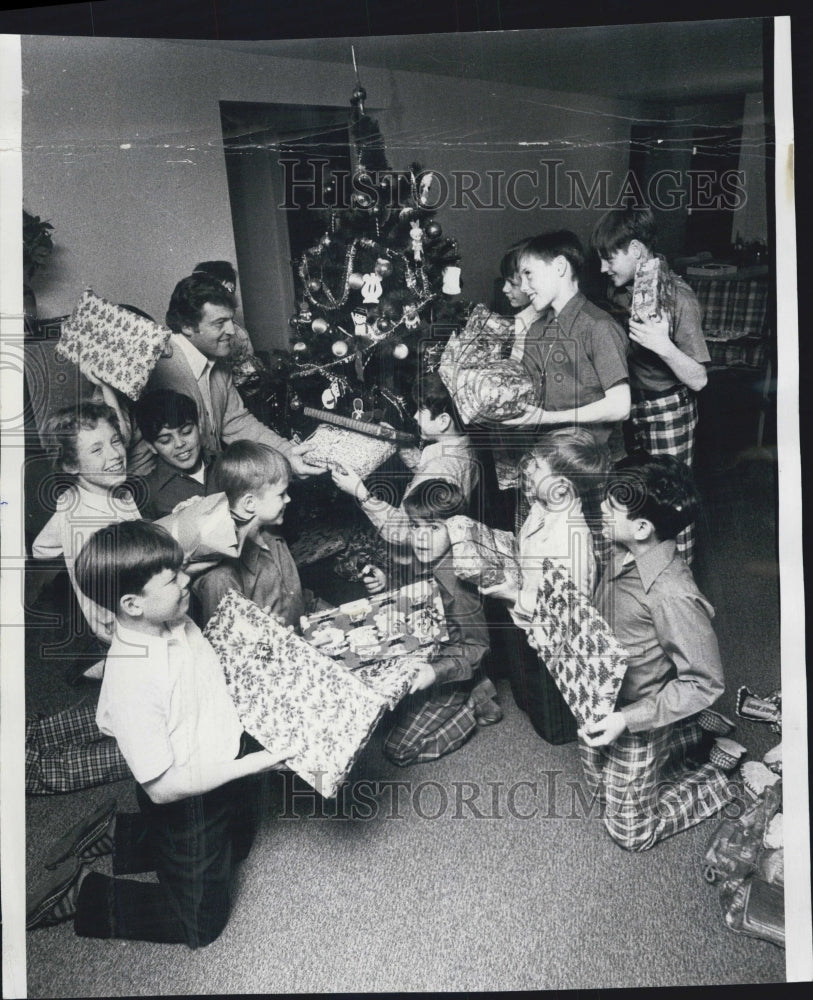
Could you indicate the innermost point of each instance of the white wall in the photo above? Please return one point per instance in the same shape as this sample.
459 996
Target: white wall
122 152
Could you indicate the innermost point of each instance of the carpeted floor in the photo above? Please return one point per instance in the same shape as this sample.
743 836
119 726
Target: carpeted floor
479 871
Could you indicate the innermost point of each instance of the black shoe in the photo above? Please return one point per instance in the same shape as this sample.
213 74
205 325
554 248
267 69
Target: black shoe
55 900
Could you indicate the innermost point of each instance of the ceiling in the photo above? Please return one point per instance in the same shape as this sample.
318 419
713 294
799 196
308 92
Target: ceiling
663 61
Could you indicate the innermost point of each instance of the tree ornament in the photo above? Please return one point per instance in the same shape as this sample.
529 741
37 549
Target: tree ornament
416 237
320 325
300 347
433 230
384 324
295 402
355 281
371 290
451 280
411 318
400 351
362 200
359 317
314 286
383 267
331 396
339 348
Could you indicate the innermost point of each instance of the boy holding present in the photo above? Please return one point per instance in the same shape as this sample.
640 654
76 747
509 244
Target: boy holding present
450 696
255 479
164 699
635 759
169 425
668 351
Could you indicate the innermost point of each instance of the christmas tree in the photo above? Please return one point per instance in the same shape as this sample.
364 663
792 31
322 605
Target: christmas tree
377 295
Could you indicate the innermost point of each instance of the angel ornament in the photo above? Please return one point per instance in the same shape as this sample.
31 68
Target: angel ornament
416 235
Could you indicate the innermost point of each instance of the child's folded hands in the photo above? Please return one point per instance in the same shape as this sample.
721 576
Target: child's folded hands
605 731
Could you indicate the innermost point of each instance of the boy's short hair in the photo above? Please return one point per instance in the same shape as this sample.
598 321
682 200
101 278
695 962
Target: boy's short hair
62 428
434 500
658 488
617 228
429 392
575 454
189 297
246 466
163 408
220 269
122 559
548 246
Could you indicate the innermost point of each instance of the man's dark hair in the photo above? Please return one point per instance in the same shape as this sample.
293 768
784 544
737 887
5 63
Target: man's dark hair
163 408
658 488
548 246
616 230
220 269
434 500
429 392
122 559
191 295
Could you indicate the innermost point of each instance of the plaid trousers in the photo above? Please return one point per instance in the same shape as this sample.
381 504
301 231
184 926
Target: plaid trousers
429 724
68 751
666 426
646 787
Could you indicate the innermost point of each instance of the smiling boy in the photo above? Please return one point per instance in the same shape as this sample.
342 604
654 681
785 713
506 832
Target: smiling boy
168 422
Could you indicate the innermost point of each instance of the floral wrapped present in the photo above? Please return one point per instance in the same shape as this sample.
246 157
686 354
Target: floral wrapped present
486 385
485 556
118 346
204 528
360 453
391 678
577 646
653 291
291 697
392 624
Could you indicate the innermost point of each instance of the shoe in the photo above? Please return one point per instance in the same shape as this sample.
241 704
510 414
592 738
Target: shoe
486 713
55 900
714 722
483 691
756 777
90 838
726 753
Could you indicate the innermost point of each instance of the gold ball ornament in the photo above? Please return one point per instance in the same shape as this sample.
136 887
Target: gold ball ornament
320 325
339 348
400 351
383 267
355 281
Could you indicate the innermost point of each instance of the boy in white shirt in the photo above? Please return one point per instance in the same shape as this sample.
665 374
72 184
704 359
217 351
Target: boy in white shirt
164 699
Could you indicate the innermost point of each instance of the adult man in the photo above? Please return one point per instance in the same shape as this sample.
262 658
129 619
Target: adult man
201 316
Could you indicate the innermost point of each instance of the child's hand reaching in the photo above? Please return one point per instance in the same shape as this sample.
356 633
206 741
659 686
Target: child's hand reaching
505 590
374 579
350 482
605 731
425 678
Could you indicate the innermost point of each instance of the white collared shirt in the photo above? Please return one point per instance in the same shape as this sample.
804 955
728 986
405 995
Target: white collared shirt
164 699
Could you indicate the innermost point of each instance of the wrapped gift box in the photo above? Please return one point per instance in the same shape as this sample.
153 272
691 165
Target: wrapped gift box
653 293
118 346
485 385
315 544
392 624
361 453
577 646
296 701
482 555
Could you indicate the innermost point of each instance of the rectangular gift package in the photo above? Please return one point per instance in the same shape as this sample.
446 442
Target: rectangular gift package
296 701
118 346
577 646
357 452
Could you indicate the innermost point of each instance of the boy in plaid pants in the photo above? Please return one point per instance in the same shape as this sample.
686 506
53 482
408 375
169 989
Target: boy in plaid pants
641 761
667 355
450 696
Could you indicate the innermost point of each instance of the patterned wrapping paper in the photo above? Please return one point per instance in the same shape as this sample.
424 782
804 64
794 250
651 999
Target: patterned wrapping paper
391 678
485 385
482 555
577 646
118 346
315 544
653 291
296 701
361 453
384 626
